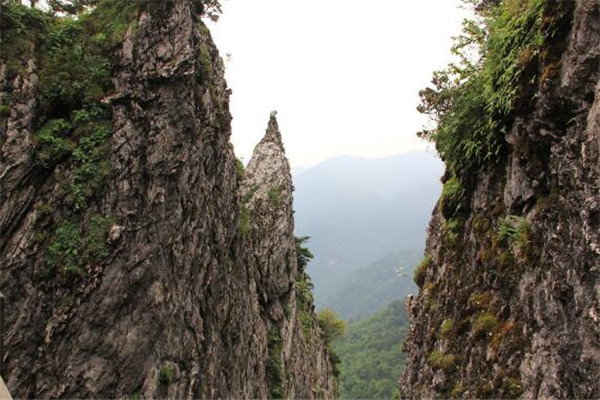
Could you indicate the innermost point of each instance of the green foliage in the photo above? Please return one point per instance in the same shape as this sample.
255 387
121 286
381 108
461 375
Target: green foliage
332 327
452 198
473 101
71 7
64 251
73 74
53 142
421 271
23 28
94 241
72 247
484 324
305 300
304 287
239 168
303 253
73 56
371 354
245 223
447 327
512 387
274 365
92 156
274 196
480 301
165 375
451 230
4 110
249 194
441 360
137 395
515 229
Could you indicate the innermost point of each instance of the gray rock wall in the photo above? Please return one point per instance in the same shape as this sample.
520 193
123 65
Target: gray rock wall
500 318
185 302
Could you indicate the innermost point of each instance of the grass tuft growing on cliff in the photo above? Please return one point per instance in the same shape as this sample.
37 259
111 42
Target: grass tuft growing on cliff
452 198
440 360
515 229
420 272
484 325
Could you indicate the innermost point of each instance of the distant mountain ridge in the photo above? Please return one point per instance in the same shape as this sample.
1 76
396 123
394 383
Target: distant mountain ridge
369 289
357 210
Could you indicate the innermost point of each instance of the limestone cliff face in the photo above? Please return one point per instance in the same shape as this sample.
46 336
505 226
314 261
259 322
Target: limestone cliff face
193 294
295 349
510 305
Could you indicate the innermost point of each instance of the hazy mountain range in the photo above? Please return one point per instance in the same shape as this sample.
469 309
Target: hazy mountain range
358 210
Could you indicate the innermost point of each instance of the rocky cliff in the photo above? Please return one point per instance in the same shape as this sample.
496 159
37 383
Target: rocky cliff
137 257
510 297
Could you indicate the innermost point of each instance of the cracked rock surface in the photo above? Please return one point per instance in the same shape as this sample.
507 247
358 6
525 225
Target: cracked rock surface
185 303
499 319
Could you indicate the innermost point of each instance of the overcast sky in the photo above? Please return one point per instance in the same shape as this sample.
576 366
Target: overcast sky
344 75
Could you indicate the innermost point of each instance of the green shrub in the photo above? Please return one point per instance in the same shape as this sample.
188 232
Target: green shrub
474 101
303 253
447 327
23 29
94 241
239 168
480 301
421 271
440 360
249 194
515 229
452 198
165 376
274 196
512 388
53 142
4 110
331 325
70 250
245 224
274 365
92 155
451 229
65 250
485 324
305 301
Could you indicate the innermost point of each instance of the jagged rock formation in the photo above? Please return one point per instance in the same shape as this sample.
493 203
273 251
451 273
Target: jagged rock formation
510 305
167 283
294 349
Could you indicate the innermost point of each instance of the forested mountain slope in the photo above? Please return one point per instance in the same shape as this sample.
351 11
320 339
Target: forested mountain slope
358 210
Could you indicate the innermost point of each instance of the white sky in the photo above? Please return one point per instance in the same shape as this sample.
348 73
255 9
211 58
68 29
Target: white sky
344 75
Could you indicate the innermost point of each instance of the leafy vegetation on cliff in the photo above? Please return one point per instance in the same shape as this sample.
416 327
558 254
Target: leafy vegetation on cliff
72 58
72 43
472 101
371 354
